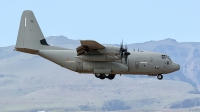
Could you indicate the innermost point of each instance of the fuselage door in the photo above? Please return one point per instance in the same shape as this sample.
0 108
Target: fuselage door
137 64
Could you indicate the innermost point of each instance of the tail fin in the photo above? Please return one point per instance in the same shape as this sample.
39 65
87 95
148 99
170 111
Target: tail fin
30 38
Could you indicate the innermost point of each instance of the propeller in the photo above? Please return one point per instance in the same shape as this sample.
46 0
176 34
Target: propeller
123 52
126 53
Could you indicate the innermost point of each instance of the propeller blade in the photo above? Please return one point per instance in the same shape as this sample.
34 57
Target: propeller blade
122 43
123 52
126 54
126 47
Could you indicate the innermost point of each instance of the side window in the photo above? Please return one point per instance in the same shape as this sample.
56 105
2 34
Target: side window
167 62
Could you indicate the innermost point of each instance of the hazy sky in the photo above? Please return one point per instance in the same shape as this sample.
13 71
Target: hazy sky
106 21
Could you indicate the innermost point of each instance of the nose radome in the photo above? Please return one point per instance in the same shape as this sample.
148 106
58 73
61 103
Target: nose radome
175 66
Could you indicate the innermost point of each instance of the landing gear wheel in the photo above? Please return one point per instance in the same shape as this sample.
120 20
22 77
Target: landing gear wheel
102 76
160 76
97 75
111 76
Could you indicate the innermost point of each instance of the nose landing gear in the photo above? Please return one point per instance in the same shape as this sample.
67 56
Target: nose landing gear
160 76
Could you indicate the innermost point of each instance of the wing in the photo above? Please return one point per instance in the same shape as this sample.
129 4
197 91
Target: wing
89 46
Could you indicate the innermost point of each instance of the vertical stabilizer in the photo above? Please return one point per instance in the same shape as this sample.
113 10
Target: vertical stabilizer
30 38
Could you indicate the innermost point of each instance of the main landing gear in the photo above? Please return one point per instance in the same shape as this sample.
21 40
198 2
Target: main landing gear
160 76
103 76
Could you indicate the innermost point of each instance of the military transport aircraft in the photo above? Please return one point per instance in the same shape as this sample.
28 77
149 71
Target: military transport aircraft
90 56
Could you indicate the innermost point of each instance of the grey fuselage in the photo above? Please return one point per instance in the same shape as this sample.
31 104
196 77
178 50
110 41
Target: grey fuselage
147 63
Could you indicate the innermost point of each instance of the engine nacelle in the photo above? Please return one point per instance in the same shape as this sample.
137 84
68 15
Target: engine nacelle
110 50
102 57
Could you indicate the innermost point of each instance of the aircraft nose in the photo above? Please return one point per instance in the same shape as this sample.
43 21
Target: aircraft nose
175 66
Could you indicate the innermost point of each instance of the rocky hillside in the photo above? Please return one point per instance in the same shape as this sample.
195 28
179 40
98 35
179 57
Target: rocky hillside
31 83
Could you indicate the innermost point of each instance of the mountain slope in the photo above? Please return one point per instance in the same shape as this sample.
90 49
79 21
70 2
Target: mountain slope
31 83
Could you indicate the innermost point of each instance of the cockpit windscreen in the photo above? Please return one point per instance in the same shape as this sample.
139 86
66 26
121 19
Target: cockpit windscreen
166 57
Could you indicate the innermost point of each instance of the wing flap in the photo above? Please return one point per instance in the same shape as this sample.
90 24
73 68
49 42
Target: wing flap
80 50
92 44
89 46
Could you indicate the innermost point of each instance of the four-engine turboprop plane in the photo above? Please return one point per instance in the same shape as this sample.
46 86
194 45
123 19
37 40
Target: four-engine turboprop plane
90 56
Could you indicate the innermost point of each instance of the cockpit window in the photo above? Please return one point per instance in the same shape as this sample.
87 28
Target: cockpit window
166 57
169 58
